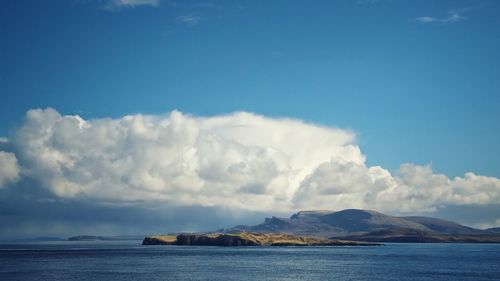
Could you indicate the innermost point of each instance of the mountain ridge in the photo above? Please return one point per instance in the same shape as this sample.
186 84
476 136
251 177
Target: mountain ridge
368 225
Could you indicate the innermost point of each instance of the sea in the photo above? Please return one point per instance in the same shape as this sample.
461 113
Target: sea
129 260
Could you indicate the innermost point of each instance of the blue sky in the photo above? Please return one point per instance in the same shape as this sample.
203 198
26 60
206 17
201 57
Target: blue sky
416 82
413 92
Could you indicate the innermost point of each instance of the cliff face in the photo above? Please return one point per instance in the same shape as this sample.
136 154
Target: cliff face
160 240
214 240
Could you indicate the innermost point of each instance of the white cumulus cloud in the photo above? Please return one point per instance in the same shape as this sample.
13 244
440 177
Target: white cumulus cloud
240 160
9 170
413 188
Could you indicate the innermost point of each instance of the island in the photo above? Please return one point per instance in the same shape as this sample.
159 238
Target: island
371 226
350 227
104 238
246 239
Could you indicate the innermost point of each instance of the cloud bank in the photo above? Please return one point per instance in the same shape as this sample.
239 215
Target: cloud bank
240 162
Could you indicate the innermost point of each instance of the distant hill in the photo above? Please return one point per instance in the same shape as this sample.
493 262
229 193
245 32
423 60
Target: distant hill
443 226
104 238
366 225
493 230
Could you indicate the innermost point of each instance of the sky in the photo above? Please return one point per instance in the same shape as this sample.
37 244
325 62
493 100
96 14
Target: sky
138 116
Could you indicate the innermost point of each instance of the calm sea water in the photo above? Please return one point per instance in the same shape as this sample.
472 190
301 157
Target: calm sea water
130 261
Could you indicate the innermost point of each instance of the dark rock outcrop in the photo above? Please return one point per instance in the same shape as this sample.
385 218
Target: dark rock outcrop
214 240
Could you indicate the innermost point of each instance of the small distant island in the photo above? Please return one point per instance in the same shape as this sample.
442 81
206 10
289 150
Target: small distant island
104 238
246 239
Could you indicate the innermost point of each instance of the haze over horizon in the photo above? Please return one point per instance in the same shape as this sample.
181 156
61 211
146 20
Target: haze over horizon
149 116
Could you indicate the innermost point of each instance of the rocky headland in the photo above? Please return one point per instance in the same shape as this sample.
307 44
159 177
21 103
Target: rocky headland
246 239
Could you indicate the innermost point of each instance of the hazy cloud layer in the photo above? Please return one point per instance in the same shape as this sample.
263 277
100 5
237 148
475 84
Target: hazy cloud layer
189 20
240 162
452 16
449 19
119 4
